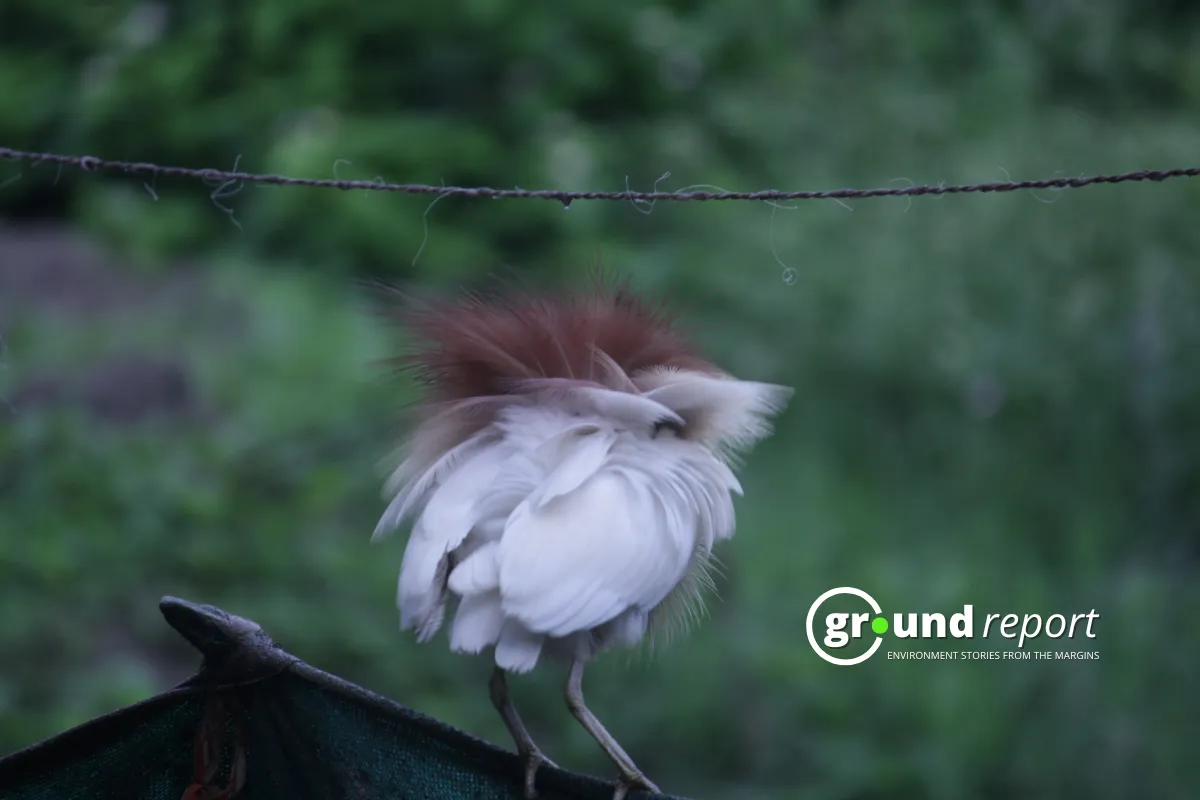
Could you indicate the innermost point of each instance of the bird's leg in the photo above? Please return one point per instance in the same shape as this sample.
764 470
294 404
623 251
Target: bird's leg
533 756
631 777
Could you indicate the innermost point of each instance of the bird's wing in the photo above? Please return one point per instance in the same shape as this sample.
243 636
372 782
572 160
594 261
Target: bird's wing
453 509
594 539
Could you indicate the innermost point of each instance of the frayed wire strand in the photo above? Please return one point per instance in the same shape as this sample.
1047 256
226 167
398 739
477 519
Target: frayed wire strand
226 179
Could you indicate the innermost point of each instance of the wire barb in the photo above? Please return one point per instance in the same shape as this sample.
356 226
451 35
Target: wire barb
94 164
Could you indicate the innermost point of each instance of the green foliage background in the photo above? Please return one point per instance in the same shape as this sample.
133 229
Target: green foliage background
996 395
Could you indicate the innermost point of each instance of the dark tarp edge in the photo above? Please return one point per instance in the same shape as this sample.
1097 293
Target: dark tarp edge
238 655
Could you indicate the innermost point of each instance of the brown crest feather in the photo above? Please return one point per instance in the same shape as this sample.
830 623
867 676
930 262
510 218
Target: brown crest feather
478 346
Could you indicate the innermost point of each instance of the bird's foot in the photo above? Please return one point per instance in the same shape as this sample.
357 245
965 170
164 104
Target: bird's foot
534 759
633 780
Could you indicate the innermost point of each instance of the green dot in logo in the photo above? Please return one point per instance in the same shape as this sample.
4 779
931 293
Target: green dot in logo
879 625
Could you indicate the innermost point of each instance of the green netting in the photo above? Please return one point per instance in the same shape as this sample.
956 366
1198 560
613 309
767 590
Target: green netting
295 732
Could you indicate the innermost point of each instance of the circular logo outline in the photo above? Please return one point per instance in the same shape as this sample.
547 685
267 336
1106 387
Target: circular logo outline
812 613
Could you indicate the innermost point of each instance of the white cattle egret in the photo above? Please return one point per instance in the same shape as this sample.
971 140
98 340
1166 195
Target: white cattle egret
567 477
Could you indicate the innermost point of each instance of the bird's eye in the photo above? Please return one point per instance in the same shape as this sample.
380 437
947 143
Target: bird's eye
666 424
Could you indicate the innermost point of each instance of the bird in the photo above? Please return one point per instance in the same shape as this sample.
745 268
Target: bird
569 469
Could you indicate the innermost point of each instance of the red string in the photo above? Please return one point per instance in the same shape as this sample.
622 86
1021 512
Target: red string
206 753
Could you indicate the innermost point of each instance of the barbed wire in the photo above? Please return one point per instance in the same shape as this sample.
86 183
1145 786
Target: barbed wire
142 168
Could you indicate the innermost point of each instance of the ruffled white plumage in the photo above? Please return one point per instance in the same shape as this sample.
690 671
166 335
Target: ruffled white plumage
573 515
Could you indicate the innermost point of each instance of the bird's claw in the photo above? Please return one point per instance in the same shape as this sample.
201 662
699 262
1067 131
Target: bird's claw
633 780
534 760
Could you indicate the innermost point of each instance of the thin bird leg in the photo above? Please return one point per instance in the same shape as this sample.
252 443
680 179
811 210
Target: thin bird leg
533 756
631 777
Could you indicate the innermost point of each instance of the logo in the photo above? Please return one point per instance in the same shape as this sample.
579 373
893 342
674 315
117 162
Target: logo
842 628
